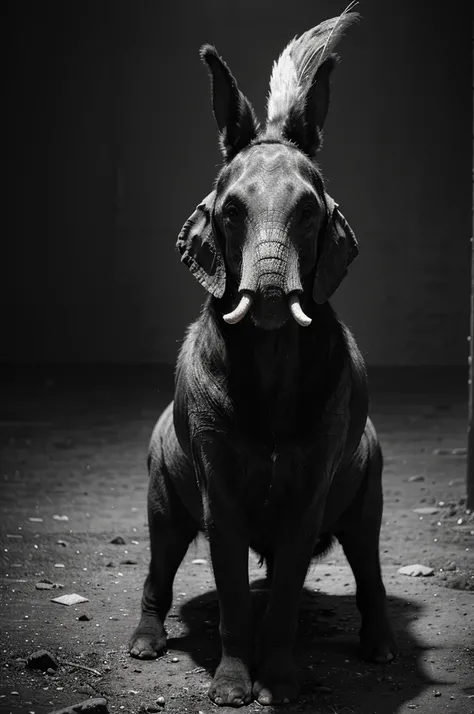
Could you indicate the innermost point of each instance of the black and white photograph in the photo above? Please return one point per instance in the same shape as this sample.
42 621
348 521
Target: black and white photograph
236 357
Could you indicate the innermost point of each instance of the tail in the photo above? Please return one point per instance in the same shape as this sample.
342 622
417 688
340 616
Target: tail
293 73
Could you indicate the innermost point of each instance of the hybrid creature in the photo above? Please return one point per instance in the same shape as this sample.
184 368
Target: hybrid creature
267 444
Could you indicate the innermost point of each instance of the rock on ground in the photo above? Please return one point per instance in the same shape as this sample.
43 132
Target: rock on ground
90 706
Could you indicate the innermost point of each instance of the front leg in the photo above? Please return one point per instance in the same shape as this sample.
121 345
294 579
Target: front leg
232 685
229 544
276 680
298 531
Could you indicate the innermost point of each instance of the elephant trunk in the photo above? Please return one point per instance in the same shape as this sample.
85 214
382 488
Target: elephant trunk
270 267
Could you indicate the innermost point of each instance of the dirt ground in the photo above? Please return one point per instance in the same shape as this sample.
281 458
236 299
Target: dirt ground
73 478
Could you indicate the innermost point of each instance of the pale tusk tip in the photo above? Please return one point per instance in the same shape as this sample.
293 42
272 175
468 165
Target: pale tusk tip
232 318
301 318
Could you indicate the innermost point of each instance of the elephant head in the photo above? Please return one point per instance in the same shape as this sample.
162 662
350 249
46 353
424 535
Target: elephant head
269 237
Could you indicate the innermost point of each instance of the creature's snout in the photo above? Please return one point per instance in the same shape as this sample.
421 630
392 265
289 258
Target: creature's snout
270 276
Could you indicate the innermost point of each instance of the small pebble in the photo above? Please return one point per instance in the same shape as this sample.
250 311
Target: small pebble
175 659
416 570
43 660
70 599
118 541
161 701
437 693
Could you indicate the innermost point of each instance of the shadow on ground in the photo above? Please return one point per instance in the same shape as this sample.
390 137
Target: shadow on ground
333 678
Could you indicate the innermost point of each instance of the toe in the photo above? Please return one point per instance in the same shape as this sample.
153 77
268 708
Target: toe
264 697
144 647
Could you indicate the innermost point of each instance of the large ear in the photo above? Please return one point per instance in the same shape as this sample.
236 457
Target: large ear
306 118
233 112
338 250
299 85
199 251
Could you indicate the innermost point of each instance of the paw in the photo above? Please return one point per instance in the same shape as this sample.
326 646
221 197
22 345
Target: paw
377 642
231 686
276 681
148 641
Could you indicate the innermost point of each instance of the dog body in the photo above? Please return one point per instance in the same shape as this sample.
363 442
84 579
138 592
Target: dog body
267 444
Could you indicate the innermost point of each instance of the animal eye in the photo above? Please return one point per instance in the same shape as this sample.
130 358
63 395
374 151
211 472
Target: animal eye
307 213
231 213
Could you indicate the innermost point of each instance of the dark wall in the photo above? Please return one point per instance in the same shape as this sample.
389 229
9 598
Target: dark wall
112 144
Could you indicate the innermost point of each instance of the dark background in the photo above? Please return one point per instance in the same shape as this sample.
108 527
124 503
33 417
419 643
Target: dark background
112 143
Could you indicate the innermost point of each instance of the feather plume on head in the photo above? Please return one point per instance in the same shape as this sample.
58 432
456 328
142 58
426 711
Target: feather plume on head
294 73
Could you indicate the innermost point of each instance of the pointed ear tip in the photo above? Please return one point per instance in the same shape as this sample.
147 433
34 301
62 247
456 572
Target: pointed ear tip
207 51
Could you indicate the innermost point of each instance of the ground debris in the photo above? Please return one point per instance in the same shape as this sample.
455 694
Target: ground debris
416 570
129 561
426 510
70 599
118 540
461 451
460 581
41 659
76 665
90 706
47 584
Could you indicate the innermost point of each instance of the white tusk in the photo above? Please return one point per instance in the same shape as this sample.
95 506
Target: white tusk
297 312
240 311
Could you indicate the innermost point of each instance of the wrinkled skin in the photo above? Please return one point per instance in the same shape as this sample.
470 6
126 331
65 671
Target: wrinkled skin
267 444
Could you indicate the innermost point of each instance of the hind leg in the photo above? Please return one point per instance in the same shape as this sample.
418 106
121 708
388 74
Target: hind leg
168 548
171 531
359 538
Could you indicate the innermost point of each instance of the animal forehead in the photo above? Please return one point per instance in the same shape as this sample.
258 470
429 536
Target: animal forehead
265 163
